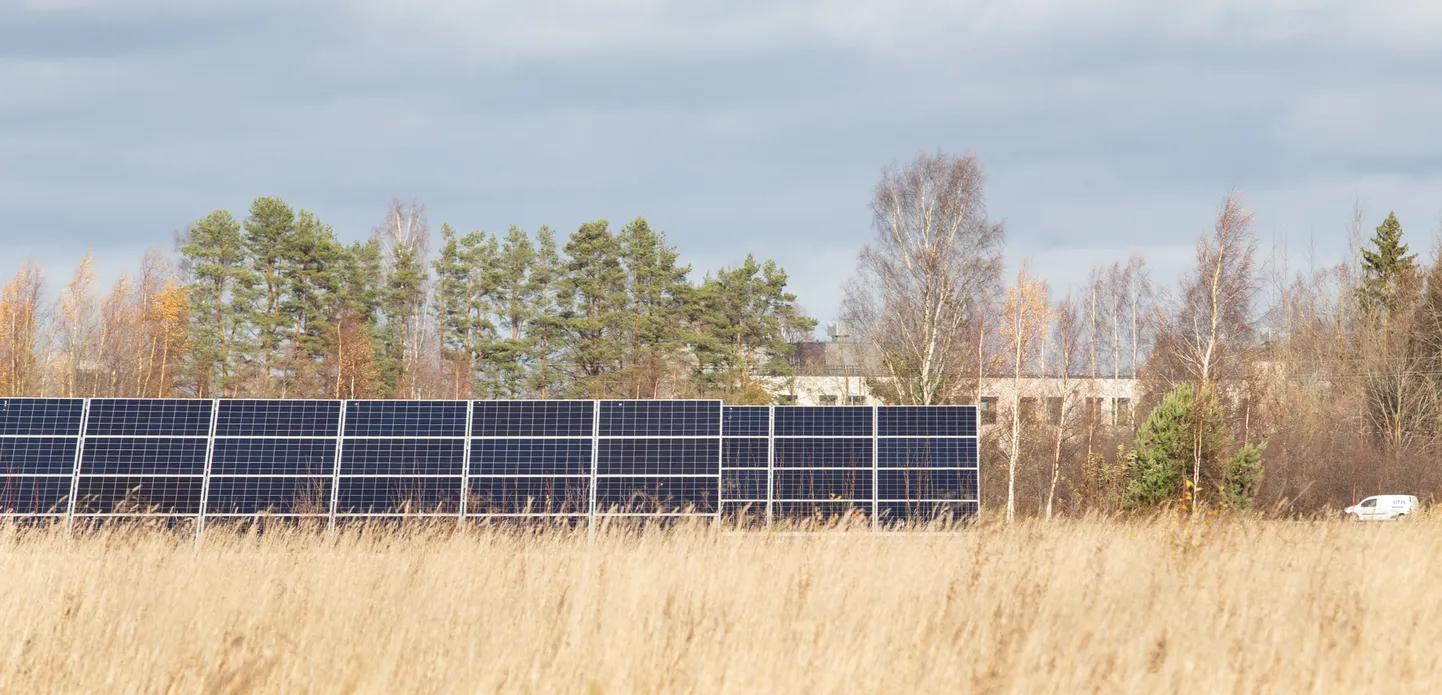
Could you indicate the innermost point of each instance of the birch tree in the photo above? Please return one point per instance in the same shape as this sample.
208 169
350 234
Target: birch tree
919 286
1025 316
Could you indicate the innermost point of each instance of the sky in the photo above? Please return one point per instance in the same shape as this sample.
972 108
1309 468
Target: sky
1106 127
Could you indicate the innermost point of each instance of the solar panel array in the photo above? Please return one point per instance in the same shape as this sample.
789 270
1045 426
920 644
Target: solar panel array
577 460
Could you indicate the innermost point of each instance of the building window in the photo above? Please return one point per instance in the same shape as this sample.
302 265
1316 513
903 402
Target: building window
856 400
1094 409
988 410
787 398
827 399
1121 411
1053 409
1028 407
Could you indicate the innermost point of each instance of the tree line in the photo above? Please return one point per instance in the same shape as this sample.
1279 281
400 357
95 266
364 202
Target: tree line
1251 384
274 305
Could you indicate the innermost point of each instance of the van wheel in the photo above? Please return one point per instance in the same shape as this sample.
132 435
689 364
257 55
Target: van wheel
1401 517
1354 517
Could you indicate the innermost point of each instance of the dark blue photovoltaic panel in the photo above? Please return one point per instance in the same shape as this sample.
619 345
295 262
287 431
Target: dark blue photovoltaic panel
745 421
924 512
926 421
656 495
126 456
38 455
926 453
660 418
529 495
531 457
744 453
272 456
138 495
743 485
268 495
399 495
662 456
34 495
40 415
823 421
278 418
823 485
823 511
926 485
533 418
405 418
823 453
170 417
403 456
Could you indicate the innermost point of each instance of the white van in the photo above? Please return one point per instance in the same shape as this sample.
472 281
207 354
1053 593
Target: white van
1383 508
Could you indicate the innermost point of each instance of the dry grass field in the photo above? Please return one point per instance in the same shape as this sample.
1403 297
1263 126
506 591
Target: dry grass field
1066 607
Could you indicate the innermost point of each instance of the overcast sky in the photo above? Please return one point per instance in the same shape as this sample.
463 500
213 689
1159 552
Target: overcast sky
1107 127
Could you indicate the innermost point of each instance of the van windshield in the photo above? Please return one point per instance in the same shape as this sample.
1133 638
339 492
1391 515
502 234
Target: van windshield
1369 502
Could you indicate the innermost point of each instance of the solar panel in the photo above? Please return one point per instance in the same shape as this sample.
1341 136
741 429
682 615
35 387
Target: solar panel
34 494
292 495
143 456
149 417
530 495
484 458
533 418
405 418
289 418
745 420
660 418
399 496
824 421
138 495
273 457
926 421
37 455
544 457
39 416
402 457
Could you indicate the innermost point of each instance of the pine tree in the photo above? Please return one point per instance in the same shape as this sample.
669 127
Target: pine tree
743 317
658 292
267 230
467 278
401 302
546 325
516 305
309 264
594 302
215 253
353 310
1388 271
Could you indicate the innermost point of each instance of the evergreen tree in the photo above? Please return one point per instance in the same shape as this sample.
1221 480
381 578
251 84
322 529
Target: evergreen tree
267 231
546 325
658 294
516 305
1388 271
743 317
353 311
215 254
1183 430
401 301
592 294
309 265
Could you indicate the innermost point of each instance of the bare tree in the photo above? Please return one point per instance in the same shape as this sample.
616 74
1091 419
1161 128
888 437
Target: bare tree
1066 335
1024 321
919 287
1212 324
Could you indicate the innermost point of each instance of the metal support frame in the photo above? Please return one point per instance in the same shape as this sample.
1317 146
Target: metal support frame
75 469
466 464
335 470
205 475
875 467
770 464
720 459
595 464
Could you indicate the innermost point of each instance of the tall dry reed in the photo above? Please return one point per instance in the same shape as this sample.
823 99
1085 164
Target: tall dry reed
1078 606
